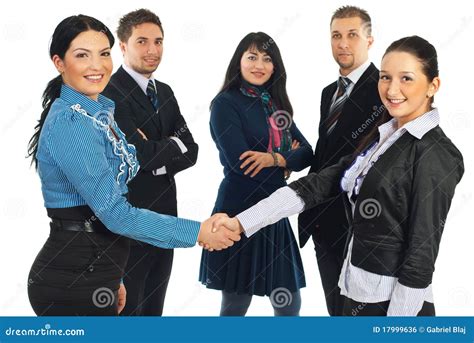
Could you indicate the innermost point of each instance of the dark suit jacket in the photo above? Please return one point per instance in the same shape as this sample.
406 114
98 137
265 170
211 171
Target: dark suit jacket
327 222
401 209
134 110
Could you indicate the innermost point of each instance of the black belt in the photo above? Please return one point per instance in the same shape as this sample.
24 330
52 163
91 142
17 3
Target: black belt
74 225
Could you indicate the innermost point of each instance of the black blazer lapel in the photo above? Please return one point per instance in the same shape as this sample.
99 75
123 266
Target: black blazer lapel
326 104
353 110
326 99
378 172
135 93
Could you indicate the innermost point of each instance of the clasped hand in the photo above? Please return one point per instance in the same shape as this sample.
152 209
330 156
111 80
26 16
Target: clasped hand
219 232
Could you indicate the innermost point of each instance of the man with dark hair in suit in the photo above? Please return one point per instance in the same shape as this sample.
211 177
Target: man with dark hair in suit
148 113
349 109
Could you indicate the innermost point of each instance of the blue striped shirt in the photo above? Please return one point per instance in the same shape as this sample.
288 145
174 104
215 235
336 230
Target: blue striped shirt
80 162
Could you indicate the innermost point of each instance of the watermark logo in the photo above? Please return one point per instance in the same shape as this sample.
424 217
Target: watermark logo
103 297
370 208
103 119
281 297
281 120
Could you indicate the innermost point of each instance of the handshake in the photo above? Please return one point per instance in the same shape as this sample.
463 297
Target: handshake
219 232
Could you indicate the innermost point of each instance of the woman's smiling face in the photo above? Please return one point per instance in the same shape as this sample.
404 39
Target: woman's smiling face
404 88
256 67
87 64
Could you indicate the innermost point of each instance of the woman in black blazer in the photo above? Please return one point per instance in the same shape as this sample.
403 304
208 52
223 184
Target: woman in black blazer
399 187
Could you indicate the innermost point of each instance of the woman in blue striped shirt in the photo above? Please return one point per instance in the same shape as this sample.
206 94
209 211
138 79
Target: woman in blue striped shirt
85 163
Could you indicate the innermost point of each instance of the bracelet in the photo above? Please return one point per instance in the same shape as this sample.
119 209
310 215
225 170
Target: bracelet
275 159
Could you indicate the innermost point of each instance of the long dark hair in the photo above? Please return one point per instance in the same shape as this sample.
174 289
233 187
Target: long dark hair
426 54
63 35
276 85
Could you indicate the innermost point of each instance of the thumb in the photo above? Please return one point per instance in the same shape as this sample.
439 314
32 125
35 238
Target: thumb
233 235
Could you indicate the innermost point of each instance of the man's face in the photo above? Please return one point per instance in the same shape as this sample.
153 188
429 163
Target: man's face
350 43
143 50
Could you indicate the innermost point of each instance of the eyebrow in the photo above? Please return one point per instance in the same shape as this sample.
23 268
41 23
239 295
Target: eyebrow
146 38
406 72
254 53
350 30
87 50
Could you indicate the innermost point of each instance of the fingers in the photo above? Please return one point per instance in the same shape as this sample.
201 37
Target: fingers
220 215
122 298
235 237
142 134
227 223
222 239
258 162
246 154
219 232
257 170
220 222
248 160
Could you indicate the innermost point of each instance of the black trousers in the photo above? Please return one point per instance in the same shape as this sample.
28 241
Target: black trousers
146 279
78 274
330 260
355 308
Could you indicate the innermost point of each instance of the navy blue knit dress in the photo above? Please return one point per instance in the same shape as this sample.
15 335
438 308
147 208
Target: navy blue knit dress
270 258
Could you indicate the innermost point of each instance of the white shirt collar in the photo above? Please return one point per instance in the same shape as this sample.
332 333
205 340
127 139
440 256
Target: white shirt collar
355 75
417 127
141 80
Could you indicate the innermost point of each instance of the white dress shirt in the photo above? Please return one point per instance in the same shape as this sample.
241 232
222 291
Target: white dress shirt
142 82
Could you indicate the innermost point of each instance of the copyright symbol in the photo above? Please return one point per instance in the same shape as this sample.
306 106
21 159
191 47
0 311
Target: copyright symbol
421 329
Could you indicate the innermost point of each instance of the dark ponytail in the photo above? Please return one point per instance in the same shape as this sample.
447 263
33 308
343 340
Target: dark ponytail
52 91
66 31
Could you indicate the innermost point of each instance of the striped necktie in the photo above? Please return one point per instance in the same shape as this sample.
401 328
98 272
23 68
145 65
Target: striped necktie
151 94
336 108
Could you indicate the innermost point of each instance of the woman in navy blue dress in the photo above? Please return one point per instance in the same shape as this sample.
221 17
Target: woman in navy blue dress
259 145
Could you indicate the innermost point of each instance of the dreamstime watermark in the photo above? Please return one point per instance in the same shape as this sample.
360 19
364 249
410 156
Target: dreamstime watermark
366 29
463 25
460 296
355 311
377 111
281 297
370 208
103 119
178 133
103 297
281 120
46 331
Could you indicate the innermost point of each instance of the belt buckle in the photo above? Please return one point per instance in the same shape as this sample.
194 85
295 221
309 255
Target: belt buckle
88 226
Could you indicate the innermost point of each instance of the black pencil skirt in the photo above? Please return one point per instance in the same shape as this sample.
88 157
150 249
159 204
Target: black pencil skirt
78 274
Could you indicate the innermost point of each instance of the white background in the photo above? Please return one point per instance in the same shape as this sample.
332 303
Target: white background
200 37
